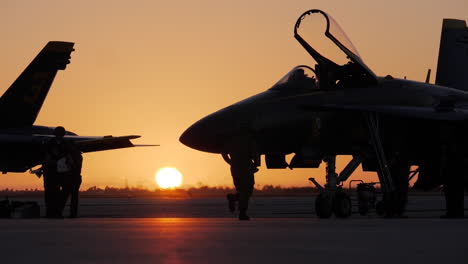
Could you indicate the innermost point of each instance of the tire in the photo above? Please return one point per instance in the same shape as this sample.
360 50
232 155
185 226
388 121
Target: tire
342 205
324 205
363 208
379 208
394 204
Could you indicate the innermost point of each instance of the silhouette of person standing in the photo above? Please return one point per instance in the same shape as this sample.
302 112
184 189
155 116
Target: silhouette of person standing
71 179
54 150
455 172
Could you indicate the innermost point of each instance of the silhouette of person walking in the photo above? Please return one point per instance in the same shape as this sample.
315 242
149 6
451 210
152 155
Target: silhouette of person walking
243 168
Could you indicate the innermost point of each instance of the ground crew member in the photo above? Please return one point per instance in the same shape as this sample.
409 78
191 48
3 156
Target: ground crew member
54 149
72 180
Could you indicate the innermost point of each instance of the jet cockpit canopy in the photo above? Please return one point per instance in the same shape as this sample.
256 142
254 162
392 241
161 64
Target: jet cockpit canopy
299 80
330 47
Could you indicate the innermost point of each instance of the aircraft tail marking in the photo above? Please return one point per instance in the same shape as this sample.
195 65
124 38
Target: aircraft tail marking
452 67
21 103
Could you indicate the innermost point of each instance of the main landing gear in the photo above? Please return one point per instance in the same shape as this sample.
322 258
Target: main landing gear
333 200
394 179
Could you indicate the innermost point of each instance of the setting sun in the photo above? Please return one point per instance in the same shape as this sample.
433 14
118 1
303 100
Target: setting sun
168 178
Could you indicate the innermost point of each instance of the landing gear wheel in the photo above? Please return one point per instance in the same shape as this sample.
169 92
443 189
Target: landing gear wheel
393 204
363 209
324 205
342 205
379 208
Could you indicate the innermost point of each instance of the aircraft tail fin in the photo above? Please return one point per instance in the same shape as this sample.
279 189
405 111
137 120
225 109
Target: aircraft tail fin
452 67
21 103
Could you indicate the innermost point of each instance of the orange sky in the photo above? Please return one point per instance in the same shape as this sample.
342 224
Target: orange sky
154 67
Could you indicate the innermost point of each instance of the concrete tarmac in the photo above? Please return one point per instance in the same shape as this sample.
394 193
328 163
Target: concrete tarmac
427 206
222 240
284 231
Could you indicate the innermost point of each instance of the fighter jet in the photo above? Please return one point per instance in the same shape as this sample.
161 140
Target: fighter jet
340 107
21 142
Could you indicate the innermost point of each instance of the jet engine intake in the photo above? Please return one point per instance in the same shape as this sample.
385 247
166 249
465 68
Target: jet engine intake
301 160
274 161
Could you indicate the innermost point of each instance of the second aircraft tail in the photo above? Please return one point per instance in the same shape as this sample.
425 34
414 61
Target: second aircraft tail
452 67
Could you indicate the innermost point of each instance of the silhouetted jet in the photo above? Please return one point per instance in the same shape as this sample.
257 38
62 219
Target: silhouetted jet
340 107
21 142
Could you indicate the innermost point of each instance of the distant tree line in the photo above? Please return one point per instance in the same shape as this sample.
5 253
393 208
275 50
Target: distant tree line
200 191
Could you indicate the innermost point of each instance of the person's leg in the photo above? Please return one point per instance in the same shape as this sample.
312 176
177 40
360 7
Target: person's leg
52 194
75 193
48 194
64 194
243 176
74 202
454 189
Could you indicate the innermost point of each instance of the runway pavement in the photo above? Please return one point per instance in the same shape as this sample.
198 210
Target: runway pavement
427 206
285 230
222 240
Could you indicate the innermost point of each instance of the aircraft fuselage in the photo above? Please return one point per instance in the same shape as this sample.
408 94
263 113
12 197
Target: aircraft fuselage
281 122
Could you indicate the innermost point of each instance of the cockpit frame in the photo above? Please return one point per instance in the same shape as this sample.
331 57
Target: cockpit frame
300 79
356 66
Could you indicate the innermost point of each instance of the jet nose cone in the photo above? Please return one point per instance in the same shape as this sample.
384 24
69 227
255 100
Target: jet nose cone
190 136
196 136
201 136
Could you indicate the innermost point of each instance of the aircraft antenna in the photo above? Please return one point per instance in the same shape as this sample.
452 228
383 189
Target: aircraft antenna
428 76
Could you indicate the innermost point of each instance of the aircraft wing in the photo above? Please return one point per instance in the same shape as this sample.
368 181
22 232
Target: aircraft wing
102 143
434 113
404 99
93 144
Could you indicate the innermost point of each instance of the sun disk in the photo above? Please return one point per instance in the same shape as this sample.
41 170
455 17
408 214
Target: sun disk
168 178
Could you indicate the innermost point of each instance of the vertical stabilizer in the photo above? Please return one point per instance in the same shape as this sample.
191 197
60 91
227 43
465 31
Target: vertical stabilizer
452 68
21 103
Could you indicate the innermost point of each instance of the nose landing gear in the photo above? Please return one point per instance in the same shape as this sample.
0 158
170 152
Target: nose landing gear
332 199
335 202
342 204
